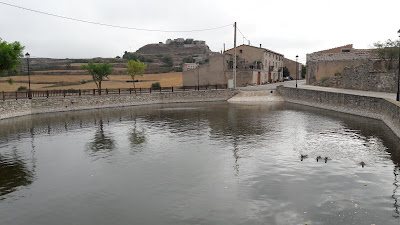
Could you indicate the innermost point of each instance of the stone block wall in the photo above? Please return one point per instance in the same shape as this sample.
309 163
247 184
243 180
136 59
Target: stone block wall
364 78
14 108
386 110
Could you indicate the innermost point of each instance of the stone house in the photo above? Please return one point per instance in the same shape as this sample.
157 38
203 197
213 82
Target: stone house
189 66
254 66
327 63
291 65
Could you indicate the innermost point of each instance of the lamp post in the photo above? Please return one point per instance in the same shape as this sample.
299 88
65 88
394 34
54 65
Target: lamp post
27 55
297 70
398 77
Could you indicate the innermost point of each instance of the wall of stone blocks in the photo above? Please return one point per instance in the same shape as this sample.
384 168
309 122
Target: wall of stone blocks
386 110
21 107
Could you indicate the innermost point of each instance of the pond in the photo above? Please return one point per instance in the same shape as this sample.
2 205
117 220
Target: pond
203 163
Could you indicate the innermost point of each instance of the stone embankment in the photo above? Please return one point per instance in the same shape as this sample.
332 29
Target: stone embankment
256 96
387 110
22 107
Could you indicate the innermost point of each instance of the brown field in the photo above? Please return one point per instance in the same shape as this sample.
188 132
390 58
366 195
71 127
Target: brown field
42 82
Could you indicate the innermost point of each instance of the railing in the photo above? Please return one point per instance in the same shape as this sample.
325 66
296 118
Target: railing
80 92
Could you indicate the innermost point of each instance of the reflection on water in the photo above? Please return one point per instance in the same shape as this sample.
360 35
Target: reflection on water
14 173
211 163
137 136
101 143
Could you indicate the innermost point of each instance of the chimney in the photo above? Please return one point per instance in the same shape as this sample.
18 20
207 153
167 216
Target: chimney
260 45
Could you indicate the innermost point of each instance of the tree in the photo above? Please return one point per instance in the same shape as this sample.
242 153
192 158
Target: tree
167 60
303 71
135 67
9 54
388 52
286 72
189 60
99 72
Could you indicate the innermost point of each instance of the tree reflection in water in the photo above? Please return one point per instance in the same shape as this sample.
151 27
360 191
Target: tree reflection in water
14 173
101 142
137 136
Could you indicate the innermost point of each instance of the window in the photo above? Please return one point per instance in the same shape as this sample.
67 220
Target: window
241 51
345 50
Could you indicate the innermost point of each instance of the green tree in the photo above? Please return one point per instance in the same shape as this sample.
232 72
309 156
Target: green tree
189 60
286 72
135 67
9 54
388 52
167 60
303 71
99 72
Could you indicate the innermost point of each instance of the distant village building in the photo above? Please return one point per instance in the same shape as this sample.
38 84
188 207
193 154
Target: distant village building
199 42
168 41
255 66
179 41
291 65
327 63
189 66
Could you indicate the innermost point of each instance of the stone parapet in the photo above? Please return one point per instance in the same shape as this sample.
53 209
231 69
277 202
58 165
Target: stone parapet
22 107
386 110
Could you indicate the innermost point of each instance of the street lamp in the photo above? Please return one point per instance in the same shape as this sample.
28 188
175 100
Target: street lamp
398 77
297 70
29 76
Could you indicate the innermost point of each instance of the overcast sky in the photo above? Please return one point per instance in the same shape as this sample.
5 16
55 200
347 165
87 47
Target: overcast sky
285 26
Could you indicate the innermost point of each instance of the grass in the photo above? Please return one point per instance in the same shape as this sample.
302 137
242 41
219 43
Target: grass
43 82
324 79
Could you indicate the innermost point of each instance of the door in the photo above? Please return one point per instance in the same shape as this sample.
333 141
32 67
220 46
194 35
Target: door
258 78
269 77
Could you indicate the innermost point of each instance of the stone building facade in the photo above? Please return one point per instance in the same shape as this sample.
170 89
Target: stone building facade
327 63
254 66
291 65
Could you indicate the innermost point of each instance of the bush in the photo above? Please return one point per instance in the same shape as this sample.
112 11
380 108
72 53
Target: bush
134 57
167 60
189 60
178 69
71 90
22 88
338 74
324 79
156 85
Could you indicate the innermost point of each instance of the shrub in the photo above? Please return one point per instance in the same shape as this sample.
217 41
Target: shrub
22 88
156 85
324 79
178 69
71 90
338 74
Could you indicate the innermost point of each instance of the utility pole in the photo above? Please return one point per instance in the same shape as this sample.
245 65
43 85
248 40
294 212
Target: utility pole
234 58
224 47
398 77
297 70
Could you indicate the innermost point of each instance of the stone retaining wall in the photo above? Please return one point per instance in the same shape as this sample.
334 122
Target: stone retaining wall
364 78
386 110
14 108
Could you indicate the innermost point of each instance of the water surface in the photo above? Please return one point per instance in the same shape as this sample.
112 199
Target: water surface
207 163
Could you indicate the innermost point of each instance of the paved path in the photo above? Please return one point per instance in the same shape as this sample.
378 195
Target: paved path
302 84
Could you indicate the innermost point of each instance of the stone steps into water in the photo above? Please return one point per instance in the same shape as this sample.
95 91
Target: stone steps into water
256 96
